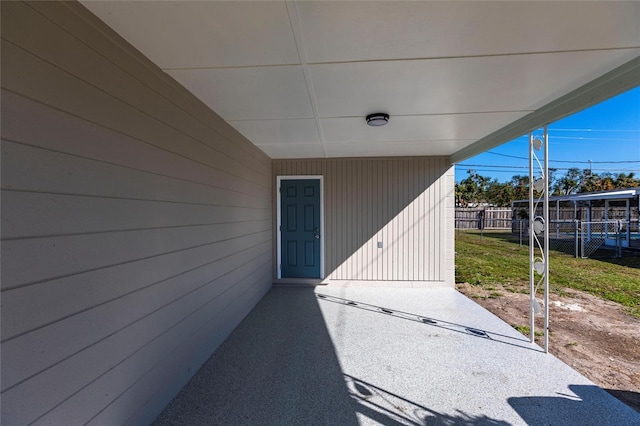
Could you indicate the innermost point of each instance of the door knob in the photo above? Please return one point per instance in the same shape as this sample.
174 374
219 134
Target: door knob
317 236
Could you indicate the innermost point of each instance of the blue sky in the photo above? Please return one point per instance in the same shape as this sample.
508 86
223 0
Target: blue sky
608 134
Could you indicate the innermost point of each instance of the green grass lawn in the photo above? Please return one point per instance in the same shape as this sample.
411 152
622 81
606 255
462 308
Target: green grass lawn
496 258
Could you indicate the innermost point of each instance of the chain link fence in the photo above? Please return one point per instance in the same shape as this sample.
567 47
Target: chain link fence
563 234
598 236
603 238
613 238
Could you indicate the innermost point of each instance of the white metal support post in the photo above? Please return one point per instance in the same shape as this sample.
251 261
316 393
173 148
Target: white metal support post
532 215
539 224
546 239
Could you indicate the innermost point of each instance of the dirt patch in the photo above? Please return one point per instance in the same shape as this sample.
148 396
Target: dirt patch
594 336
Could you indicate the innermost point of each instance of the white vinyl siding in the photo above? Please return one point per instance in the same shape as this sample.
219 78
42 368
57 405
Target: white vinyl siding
136 224
403 203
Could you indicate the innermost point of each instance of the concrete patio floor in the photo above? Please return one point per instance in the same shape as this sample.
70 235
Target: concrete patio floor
391 356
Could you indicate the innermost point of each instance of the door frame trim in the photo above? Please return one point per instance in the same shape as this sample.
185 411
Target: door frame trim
279 179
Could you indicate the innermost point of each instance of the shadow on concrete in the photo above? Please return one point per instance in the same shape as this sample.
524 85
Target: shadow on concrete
569 410
519 341
280 367
632 399
388 408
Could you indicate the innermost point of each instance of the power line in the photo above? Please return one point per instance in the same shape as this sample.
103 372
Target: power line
497 171
582 138
594 130
526 167
496 166
567 161
553 139
562 144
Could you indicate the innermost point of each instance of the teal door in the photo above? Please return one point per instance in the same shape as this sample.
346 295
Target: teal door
300 228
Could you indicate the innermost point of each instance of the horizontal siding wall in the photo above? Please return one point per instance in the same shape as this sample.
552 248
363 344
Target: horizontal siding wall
136 224
399 202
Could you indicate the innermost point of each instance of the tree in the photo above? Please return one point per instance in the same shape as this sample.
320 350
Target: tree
472 189
590 181
569 183
476 189
606 182
623 180
520 185
499 194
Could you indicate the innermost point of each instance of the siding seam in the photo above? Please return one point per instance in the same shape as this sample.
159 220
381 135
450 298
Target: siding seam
40 281
158 122
137 290
133 77
159 74
117 230
140 348
133 168
152 200
113 333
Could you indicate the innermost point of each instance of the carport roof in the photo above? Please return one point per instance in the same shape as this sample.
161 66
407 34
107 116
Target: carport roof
297 78
615 194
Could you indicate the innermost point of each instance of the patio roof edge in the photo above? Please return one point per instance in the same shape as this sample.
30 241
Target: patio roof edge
615 194
616 81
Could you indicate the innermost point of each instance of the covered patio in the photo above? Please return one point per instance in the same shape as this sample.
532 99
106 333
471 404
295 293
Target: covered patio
393 356
144 150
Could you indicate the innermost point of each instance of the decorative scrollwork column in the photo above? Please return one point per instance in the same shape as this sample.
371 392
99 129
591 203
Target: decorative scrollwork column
539 231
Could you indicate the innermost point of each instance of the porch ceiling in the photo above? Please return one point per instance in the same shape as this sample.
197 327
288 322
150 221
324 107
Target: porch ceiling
297 78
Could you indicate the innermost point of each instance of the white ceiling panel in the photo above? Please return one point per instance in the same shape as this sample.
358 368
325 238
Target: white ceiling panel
399 148
263 132
294 150
297 78
250 93
461 85
358 31
204 34
417 127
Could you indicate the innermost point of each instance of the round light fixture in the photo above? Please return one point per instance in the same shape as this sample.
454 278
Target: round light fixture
377 119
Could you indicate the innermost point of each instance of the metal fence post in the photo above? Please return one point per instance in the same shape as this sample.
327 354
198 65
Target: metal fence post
582 239
520 226
619 239
575 226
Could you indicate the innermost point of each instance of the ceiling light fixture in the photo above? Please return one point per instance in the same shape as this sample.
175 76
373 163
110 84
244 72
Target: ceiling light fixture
377 119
